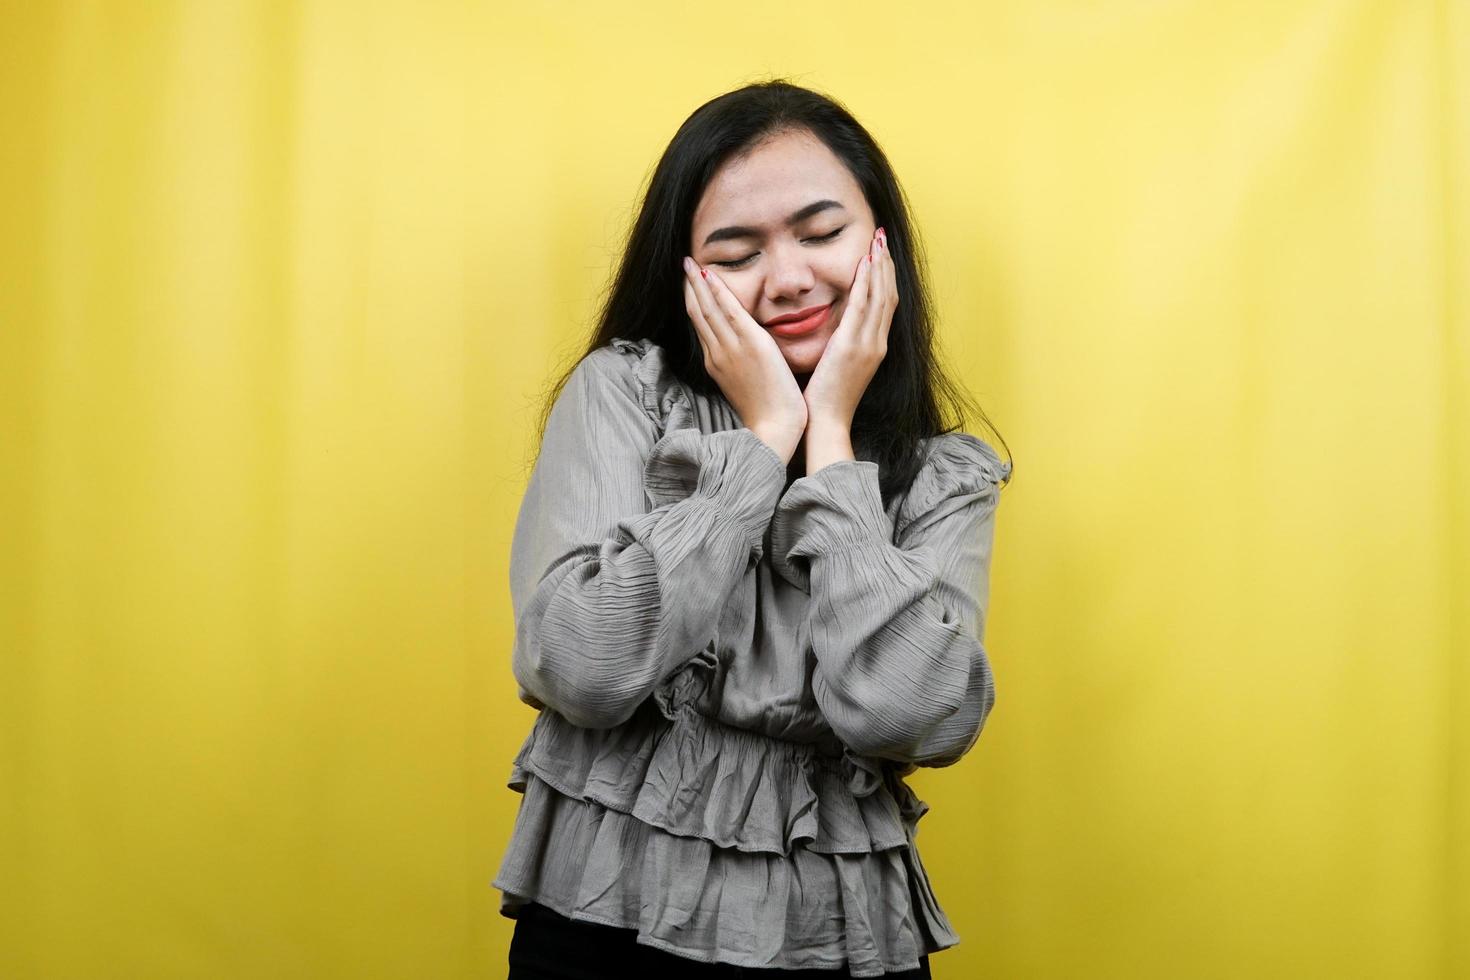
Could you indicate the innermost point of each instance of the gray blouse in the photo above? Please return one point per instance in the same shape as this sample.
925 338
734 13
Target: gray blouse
734 671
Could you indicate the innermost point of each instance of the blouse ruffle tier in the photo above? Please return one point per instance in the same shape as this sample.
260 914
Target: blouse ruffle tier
731 800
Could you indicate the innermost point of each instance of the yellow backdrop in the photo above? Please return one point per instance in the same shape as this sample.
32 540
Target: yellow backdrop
279 287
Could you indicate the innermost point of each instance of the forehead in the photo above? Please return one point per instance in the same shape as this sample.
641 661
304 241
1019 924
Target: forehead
772 181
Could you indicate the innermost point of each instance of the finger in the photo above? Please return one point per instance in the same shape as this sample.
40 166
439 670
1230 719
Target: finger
883 293
696 316
721 336
875 296
857 297
863 295
737 316
892 279
890 300
714 315
878 291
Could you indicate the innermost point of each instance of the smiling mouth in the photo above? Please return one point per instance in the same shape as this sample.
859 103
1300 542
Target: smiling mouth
794 317
800 324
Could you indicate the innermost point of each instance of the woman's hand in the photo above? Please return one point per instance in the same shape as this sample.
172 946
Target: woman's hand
745 362
859 343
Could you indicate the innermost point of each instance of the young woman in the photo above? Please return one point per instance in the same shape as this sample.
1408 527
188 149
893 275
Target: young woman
750 576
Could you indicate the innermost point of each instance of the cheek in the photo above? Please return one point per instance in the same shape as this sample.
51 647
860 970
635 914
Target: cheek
749 295
744 287
844 267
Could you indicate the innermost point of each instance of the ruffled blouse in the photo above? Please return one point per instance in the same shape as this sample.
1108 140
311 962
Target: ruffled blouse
734 671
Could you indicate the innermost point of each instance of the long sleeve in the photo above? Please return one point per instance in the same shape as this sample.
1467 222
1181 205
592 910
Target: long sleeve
627 545
897 613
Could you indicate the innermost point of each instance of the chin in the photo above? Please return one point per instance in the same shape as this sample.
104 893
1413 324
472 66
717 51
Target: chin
803 353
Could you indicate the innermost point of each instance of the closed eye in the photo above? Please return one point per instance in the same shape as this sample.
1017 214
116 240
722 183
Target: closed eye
740 263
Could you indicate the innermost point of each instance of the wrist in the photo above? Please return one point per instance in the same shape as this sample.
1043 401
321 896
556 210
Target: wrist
827 441
781 442
828 426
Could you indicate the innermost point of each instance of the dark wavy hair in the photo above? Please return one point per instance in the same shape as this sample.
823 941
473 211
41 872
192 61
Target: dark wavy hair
906 398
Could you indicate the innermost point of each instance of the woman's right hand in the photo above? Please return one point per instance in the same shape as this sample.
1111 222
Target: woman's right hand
745 362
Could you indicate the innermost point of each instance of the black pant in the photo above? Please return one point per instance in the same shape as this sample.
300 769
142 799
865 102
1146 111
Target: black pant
549 946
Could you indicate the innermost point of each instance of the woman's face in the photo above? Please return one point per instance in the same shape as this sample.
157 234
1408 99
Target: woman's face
743 230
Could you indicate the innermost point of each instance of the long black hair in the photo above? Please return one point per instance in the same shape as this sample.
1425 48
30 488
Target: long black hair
907 397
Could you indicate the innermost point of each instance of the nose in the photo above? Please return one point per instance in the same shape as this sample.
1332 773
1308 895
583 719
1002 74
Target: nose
789 273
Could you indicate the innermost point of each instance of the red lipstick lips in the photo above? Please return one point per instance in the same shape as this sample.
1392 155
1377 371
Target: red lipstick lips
796 324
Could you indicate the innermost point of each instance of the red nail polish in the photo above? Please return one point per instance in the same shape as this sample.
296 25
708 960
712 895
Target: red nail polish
704 273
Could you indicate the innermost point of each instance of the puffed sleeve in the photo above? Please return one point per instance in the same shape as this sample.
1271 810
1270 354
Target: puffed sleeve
897 614
627 544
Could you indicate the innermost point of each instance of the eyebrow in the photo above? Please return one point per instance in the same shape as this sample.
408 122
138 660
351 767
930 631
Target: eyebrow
743 231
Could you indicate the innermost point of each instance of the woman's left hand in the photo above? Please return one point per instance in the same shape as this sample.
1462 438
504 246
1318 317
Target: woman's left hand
859 343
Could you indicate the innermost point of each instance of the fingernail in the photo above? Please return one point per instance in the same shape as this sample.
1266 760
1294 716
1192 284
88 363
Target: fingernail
704 273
